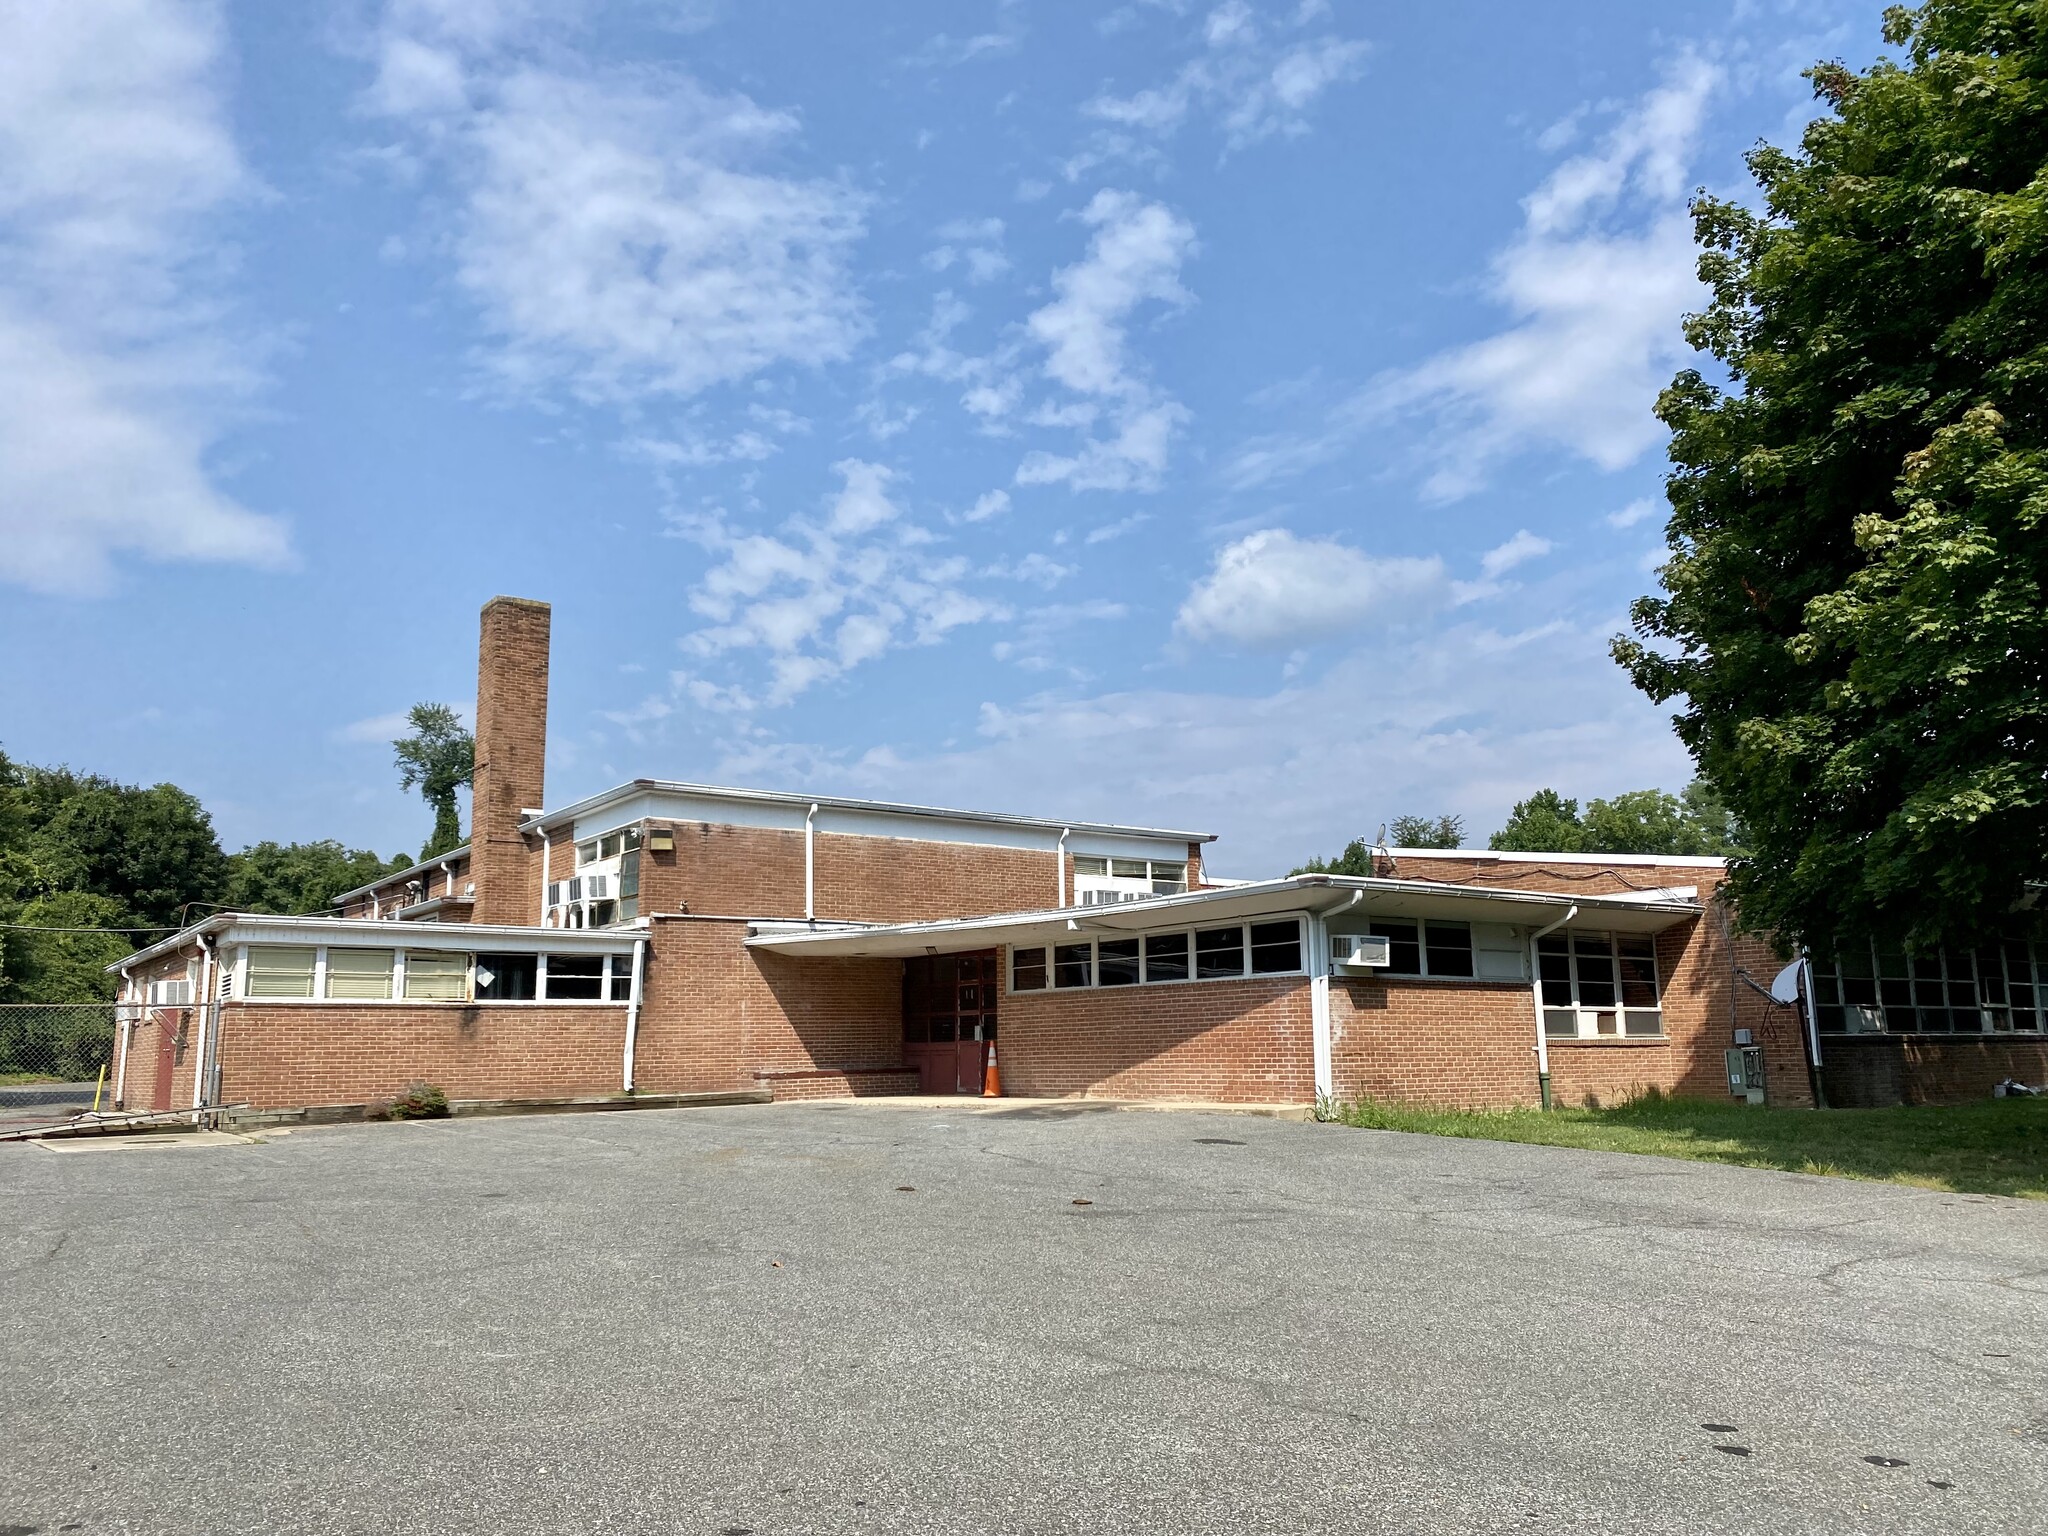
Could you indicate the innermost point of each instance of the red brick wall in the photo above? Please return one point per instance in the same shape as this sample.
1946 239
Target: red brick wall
1869 1071
1467 1045
716 1012
285 1056
1230 1041
511 758
726 871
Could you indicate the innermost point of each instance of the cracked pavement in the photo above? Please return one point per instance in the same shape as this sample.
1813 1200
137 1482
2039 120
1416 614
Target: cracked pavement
737 1320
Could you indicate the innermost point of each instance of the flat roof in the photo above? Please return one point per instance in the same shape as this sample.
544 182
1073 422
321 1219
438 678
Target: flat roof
547 819
1295 893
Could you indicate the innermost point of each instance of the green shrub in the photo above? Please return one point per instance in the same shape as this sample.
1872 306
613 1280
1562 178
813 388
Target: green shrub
419 1101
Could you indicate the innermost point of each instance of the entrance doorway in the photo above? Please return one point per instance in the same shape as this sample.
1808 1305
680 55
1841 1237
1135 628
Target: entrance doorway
949 1018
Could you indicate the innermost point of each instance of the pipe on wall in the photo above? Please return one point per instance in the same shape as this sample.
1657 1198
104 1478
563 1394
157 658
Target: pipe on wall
1065 832
811 863
633 1009
1536 997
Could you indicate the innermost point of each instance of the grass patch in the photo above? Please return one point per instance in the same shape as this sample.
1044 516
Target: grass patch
23 1079
1994 1147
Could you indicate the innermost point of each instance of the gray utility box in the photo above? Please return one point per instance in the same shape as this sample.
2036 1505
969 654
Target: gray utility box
1746 1072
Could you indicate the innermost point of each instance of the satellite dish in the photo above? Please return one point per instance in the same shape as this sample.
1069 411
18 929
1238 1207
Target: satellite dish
1785 985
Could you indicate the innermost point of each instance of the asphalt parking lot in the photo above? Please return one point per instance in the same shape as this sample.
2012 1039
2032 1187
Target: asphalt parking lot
864 1318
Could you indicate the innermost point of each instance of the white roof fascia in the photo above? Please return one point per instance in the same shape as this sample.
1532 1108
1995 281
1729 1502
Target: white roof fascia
585 807
440 862
358 933
1264 898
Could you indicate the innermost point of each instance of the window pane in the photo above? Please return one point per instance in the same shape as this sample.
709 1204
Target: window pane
1168 878
1593 954
1276 948
1090 864
1127 869
576 978
277 970
622 978
1560 1021
433 977
1450 948
1405 945
511 978
359 974
1117 962
1643 1021
1027 970
1639 970
629 875
1072 965
586 853
1166 957
1219 952
608 846
1554 969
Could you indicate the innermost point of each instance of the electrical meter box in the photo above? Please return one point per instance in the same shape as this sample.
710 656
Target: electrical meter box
1746 1073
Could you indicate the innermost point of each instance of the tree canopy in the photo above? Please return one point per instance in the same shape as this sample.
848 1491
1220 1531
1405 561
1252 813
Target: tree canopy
297 878
437 759
1649 821
1853 612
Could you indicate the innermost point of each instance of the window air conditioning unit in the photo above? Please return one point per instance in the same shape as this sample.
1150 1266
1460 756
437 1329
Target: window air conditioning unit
1361 951
594 887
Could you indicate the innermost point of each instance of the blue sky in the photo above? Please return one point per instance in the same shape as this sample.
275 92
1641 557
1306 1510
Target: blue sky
1232 416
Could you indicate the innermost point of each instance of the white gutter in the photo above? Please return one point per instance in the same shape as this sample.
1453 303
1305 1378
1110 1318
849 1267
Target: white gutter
1062 853
811 863
1319 998
1536 997
547 856
633 1009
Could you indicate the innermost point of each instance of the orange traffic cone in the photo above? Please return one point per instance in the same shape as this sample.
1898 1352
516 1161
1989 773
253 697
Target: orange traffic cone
991 1079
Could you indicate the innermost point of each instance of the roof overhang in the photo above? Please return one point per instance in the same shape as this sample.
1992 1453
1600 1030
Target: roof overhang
547 820
228 928
1324 894
399 876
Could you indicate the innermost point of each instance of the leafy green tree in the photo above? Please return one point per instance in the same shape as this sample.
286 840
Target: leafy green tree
1639 821
62 967
298 878
1853 613
437 759
151 850
1546 822
1427 831
1356 859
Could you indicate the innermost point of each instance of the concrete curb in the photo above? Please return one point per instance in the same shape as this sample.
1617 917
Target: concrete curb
463 1109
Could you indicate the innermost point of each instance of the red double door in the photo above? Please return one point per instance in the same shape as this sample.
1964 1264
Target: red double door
949 1019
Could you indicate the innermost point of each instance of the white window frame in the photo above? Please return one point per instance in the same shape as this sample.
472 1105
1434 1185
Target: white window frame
1586 1017
1050 946
1833 980
1517 944
1107 888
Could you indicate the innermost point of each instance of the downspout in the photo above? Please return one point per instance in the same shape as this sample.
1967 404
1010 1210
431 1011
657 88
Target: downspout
547 865
633 1008
201 1068
127 1026
811 864
1820 1099
1064 832
1536 997
1319 1002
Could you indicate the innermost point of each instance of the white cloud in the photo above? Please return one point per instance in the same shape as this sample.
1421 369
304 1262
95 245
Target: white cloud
975 245
1519 550
610 225
1464 720
1271 591
987 505
1594 285
1134 258
1641 508
1259 84
821 596
118 374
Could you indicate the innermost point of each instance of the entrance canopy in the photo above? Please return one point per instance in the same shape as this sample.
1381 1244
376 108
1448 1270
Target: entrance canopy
1355 896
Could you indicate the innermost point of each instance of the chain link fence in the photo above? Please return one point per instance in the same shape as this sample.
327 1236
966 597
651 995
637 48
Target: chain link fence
51 1056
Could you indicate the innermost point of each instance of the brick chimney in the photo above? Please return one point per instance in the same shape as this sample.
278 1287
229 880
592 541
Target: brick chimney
511 759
